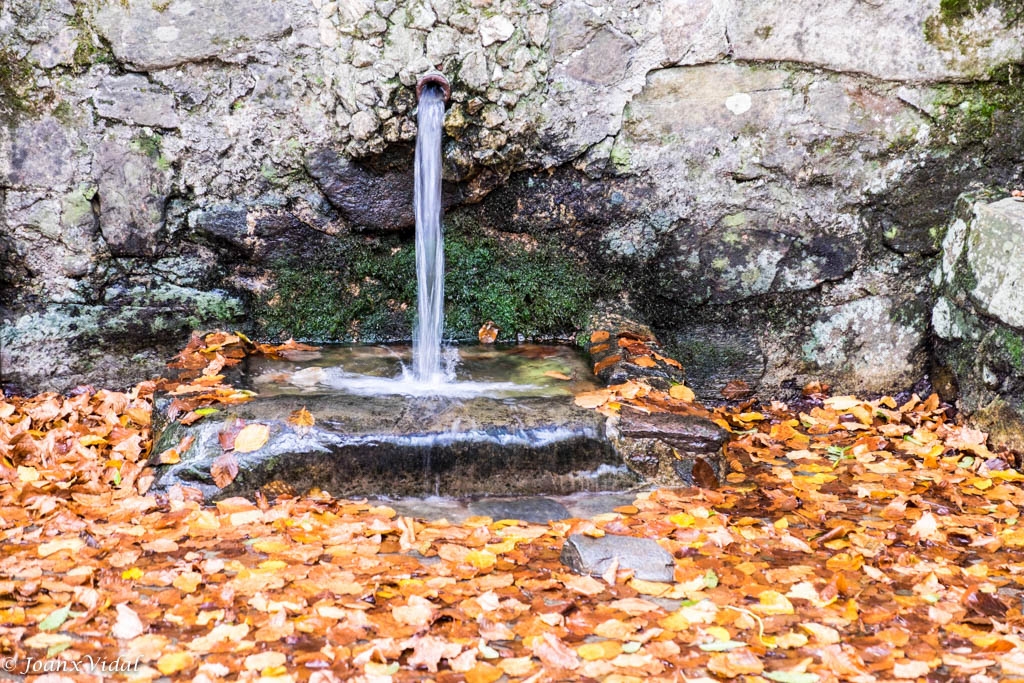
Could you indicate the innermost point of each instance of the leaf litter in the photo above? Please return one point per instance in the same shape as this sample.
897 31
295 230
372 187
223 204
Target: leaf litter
853 540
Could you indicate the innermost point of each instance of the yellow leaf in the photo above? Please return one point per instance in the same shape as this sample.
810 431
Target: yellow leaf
481 559
774 602
27 474
676 621
718 633
683 519
131 574
270 546
252 438
187 582
91 440
173 662
649 587
604 649
750 417
272 565
681 392
842 404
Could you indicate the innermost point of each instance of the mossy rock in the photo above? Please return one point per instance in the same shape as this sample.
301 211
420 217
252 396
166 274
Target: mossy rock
363 288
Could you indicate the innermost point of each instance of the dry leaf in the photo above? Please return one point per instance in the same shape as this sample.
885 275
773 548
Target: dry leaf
301 418
488 332
252 438
224 469
681 392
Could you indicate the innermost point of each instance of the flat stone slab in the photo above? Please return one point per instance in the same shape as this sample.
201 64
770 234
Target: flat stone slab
528 509
403 446
690 433
648 560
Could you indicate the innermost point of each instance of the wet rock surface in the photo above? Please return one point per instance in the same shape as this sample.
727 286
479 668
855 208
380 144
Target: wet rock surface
528 509
593 556
403 447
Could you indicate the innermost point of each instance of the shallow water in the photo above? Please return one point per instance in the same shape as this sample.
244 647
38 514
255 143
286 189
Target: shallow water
500 372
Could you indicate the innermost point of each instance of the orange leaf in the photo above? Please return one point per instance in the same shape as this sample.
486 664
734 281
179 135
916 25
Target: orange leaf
645 362
483 673
681 392
301 418
599 336
592 399
488 332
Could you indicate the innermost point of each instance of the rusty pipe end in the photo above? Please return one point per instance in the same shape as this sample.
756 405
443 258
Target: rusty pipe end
435 78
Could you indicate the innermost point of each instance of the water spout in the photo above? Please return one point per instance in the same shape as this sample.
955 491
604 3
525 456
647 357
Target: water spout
434 78
433 90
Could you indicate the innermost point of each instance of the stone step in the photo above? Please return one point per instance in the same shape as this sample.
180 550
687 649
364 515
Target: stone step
402 446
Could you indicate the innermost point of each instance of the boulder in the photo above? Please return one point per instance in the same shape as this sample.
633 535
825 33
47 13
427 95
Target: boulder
977 317
593 556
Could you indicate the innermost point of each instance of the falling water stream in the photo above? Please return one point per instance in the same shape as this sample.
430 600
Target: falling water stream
437 371
426 348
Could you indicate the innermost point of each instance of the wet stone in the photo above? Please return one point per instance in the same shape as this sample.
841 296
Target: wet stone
648 560
395 445
688 432
529 509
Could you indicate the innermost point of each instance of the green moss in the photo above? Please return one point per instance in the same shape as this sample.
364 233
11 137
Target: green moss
364 288
967 113
1013 345
954 11
147 144
15 85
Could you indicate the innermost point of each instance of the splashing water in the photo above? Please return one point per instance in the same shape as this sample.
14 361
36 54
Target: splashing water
426 347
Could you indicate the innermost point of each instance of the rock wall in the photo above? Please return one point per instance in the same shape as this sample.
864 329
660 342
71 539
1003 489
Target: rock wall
767 182
978 316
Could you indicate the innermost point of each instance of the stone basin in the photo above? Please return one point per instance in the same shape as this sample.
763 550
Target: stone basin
504 427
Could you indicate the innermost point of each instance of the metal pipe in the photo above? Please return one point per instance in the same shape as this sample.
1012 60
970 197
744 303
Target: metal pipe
436 78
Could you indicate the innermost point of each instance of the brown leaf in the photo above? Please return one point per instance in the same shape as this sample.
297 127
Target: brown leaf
736 390
735 663
704 475
554 374
224 470
554 653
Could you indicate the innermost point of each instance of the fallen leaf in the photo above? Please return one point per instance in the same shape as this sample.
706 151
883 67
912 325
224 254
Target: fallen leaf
681 392
252 438
224 469
736 390
554 374
301 418
735 663
488 332
128 624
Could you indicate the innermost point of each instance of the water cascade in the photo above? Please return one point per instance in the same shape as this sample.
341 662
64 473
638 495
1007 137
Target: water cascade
426 347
